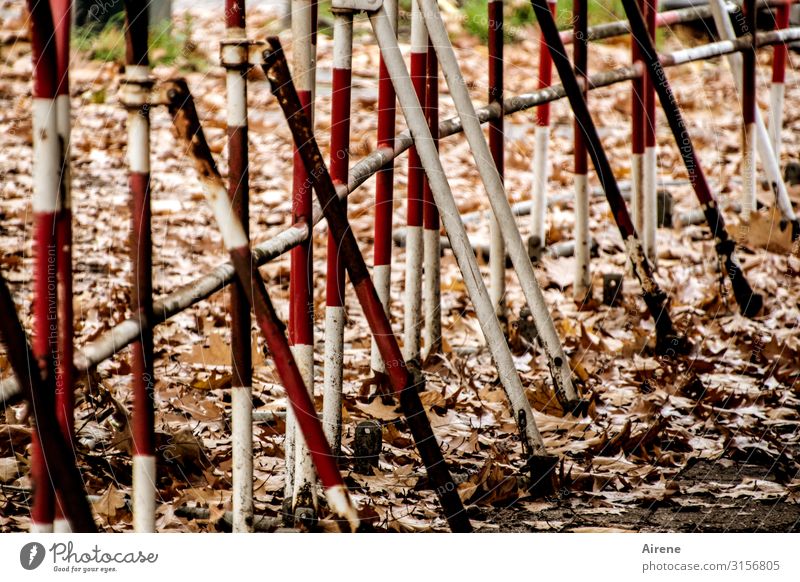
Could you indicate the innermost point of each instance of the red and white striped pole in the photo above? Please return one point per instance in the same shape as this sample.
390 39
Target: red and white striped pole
637 140
583 277
335 315
301 301
540 148
241 351
749 61
384 198
186 122
650 162
46 186
136 99
414 219
497 247
65 394
780 53
432 296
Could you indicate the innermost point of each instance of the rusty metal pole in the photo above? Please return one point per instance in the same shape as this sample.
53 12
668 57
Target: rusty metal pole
582 287
239 193
497 253
187 125
135 98
46 195
412 310
667 341
432 296
384 198
65 371
750 303
335 315
55 452
300 475
404 384
538 239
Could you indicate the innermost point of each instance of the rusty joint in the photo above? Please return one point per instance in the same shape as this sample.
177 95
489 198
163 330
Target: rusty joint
241 53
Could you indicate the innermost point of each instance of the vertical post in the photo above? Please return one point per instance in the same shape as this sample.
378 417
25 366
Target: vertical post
46 192
497 252
582 287
301 300
241 350
414 218
65 394
777 89
637 141
650 169
541 146
335 315
384 197
749 105
433 276
137 87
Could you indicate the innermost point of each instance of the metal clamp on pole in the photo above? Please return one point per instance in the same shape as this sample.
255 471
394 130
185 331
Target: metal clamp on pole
241 53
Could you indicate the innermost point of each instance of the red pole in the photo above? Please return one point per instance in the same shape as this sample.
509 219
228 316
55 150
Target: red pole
779 57
749 63
432 251
637 140
339 164
541 145
583 278
65 395
46 194
497 252
414 219
241 354
300 478
384 199
138 83
650 165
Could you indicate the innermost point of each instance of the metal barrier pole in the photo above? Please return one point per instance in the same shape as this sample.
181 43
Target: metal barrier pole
432 296
650 162
65 370
637 145
135 97
497 257
412 310
541 142
749 105
241 349
777 92
582 288
335 316
46 193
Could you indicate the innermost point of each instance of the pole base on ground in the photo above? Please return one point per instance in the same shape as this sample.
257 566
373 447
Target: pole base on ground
673 345
367 446
542 471
535 248
612 288
578 407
